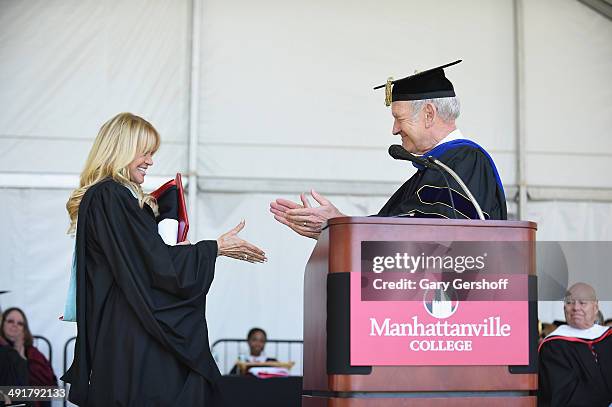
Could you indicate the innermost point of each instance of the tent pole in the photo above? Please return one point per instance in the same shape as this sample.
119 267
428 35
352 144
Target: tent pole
519 84
194 107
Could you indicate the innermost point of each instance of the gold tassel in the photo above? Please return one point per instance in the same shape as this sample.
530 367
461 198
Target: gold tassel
388 87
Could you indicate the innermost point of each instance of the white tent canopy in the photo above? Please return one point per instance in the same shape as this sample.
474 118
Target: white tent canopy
273 97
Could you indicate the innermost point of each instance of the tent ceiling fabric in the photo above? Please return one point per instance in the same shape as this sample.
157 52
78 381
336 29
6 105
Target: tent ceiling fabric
285 98
284 87
280 87
568 94
68 66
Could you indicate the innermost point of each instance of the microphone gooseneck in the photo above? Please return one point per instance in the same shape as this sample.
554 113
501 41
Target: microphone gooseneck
453 174
400 153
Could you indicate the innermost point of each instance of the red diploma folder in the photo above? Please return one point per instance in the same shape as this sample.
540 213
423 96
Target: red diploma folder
183 221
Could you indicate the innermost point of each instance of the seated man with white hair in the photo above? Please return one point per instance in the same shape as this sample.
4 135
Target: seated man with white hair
424 108
575 360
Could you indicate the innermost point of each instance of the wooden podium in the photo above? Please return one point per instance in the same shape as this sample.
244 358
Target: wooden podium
330 381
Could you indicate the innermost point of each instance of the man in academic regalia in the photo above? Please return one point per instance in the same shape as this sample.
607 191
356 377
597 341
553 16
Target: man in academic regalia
575 360
424 108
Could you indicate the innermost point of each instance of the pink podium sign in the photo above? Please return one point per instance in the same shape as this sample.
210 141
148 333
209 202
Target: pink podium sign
431 327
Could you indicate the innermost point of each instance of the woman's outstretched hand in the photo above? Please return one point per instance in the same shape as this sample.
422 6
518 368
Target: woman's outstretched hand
231 245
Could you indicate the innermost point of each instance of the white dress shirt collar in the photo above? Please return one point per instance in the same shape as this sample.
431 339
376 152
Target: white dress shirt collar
453 135
591 333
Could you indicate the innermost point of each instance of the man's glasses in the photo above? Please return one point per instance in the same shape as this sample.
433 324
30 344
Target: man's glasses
569 301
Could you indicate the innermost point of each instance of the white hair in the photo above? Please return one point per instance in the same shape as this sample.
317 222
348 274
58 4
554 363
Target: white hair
448 108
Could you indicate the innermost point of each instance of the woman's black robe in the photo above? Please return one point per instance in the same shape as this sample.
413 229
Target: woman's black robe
142 335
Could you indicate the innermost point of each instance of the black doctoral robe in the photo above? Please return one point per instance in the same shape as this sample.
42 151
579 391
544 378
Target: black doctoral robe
13 368
575 372
142 336
425 194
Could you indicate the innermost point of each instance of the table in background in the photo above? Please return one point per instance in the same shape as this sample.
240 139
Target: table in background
248 391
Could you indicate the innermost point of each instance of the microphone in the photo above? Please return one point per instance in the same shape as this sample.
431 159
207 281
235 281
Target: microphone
400 153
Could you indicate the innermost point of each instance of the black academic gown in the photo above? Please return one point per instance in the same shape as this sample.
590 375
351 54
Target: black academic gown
425 194
13 368
570 375
142 336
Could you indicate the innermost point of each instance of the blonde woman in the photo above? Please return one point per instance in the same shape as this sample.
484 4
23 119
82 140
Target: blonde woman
142 336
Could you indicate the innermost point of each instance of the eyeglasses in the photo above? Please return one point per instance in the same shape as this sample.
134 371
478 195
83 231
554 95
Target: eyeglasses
582 302
12 321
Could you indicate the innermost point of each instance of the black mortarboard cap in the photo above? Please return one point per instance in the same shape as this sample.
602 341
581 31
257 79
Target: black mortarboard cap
429 84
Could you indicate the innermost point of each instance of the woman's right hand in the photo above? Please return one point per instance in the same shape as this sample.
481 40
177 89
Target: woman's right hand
230 245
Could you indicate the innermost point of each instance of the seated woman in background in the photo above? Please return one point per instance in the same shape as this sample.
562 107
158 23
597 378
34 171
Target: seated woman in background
256 339
16 331
13 367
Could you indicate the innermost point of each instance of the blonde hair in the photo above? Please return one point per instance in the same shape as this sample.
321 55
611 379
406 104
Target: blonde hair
117 144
